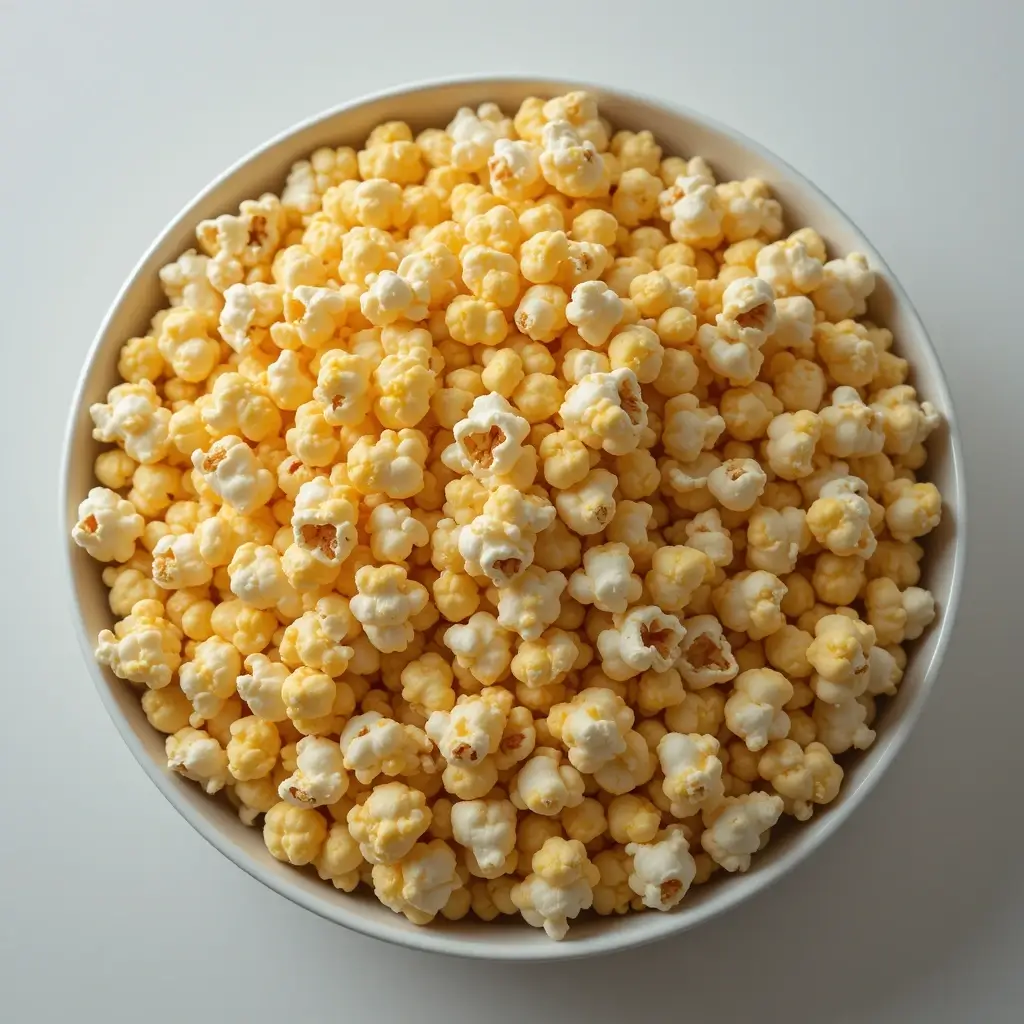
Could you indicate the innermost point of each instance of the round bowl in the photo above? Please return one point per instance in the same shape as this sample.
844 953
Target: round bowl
679 131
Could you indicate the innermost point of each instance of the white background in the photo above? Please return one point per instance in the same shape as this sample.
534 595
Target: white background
114 114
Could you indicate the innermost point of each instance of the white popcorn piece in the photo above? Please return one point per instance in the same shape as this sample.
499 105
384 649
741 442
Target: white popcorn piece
643 638
606 411
689 427
531 602
794 324
514 169
693 211
849 427
386 600
905 422
395 531
177 562
144 648
473 728
431 271
632 768
754 711
606 580
481 646
231 470
592 727
133 417
389 298
748 210
840 518
801 777
676 574
775 539
693 772
570 163
319 777
390 821
316 638
734 828
579 108
258 578
489 440
705 655
751 602
373 745
579 362
737 483
559 888
546 661
261 688
884 672
845 286
792 439
789 268
185 283
663 870
475 134
196 755
209 679
108 526
839 656
706 533
589 506
420 884
911 509
595 311
343 388
324 522
546 786
842 726
499 543
732 345
487 830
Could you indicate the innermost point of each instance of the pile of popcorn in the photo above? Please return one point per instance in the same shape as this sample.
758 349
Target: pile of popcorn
512 519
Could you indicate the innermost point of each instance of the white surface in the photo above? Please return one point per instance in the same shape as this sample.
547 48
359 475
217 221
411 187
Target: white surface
113 115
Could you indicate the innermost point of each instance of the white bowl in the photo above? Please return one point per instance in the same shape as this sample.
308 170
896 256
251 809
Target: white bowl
679 131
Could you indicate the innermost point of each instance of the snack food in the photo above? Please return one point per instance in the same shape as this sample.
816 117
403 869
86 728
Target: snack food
357 327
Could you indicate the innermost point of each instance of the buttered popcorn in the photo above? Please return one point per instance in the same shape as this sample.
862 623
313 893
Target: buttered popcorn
514 518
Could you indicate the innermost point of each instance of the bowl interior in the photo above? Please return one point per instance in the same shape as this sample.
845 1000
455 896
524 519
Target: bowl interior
679 132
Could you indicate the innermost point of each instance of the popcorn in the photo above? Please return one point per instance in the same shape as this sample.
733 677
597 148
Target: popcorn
595 311
389 297
236 406
427 683
541 313
606 411
315 638
475 134
231 470
108 526
482 647
732 345
792 438
776 538
840 518
487 830
560 886
801 777
531 602
693 211
706 533
675 574
841 726
420 884
905 422
693 772
388 824
545 662
845 286
789 268
839 656
196 755
178 563
473 728
319 777
606 579
514 169
133 417
565 458
570 163
705 656
588 506
339 860
394 532
312 440
911 509
750 602
185 283
258 577
294 834
253 748
663 870
261 688
208 680
144 648
324 522
185 344
343 388
849 427
592 728
546 786
373 745
754 711
734 828
489 440
391 464
748 210
387 599
643 638
897 616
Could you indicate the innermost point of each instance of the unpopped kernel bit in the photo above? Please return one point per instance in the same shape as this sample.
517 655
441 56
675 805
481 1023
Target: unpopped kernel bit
514 519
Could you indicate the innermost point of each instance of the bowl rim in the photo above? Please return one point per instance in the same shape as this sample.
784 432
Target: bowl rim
661 925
